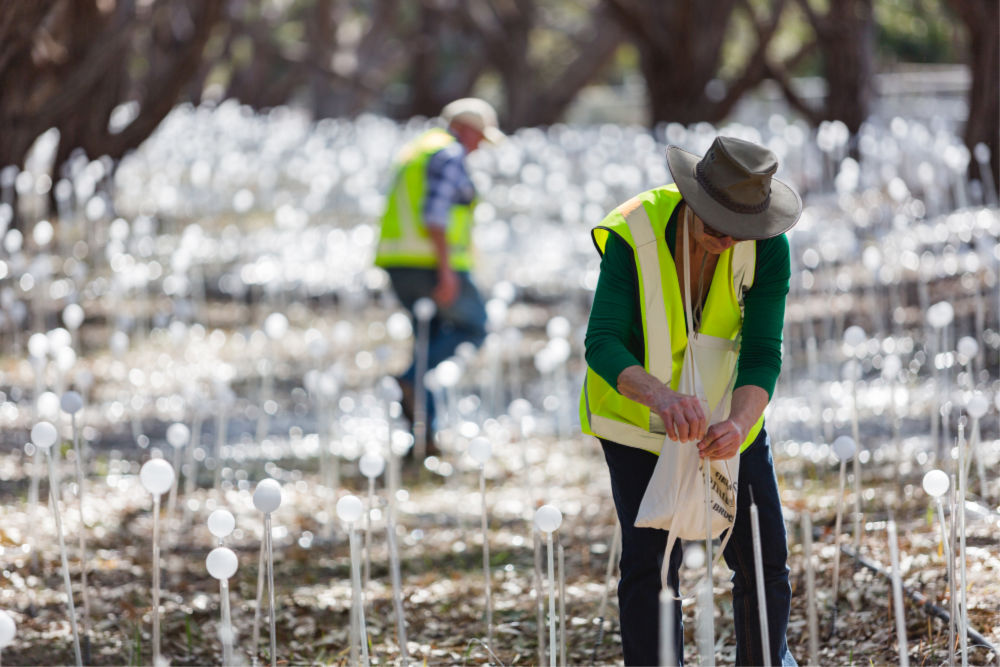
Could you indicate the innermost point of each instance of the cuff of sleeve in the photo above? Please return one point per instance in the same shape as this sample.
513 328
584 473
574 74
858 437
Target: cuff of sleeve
762 379
615 365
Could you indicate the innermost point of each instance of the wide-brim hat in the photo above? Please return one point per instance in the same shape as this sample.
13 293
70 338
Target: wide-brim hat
477 114
733 191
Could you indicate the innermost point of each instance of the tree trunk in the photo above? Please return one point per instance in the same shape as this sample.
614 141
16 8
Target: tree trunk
680 47
982 20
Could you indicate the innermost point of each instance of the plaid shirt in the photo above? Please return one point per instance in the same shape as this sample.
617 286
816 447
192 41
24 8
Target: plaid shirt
448 184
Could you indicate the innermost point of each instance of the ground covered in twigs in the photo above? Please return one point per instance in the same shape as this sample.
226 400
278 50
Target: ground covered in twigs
441 550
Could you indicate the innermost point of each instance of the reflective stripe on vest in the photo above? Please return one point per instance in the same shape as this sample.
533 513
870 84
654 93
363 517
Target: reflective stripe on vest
641 223
403 239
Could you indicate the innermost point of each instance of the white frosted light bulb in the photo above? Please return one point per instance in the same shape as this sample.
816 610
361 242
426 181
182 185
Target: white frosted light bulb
940 314
398 326
221 563
559 350
8 628
424 308
557 327
548 518
854 336
401 442
157 476
267 495
221 523
694 556
519 408
977 406
968 347
71 402
276 325
72 316
38 345
349 508
48 405
178 435
371 464
480 450
59 338
844 447
44 435
448 373
935 483
891 366
118 343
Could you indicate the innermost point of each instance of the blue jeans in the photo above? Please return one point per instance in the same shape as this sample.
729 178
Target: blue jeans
642 558
464 321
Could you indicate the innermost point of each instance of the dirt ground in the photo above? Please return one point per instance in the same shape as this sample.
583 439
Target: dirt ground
438 519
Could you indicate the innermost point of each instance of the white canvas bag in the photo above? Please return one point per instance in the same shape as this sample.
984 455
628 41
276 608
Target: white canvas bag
675 496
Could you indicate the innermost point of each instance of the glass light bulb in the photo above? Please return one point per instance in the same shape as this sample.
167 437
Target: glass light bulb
44 435
977 405
221 563
267 495
157 476
480 450
8 628
548 518
935 483
844 447
349 508
371 464
424 309
71 402
221 523
178 435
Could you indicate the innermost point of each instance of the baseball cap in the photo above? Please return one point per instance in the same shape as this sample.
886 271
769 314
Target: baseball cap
475 113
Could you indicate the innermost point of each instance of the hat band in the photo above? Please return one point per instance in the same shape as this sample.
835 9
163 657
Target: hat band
724 199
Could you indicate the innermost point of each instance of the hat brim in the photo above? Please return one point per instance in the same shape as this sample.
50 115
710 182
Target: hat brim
781 214
493 135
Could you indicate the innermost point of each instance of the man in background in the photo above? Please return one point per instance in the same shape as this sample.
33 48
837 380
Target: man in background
425 242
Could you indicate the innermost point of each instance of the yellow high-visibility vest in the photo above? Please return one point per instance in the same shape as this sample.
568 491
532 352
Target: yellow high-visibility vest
641 222
404 241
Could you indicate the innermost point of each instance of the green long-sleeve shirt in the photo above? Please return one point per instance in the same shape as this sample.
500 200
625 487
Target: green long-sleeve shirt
614 333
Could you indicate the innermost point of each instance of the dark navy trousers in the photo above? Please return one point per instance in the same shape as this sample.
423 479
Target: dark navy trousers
642 557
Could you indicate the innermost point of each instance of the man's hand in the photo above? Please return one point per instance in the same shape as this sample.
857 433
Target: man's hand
722 441
447 288
682 415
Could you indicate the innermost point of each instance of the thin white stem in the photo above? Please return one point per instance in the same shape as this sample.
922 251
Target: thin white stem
54 499
709 626
608 574
359 596
562 606
552 602
191 473
807 548
897 596
172 498
836 535
156 580
856 464
758 570
397 590
962 580
260 599
227 624
368 532
82 534
486 557
667 656
539 603
272 609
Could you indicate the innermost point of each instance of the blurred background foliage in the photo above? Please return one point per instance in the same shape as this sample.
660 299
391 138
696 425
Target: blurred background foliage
106 72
